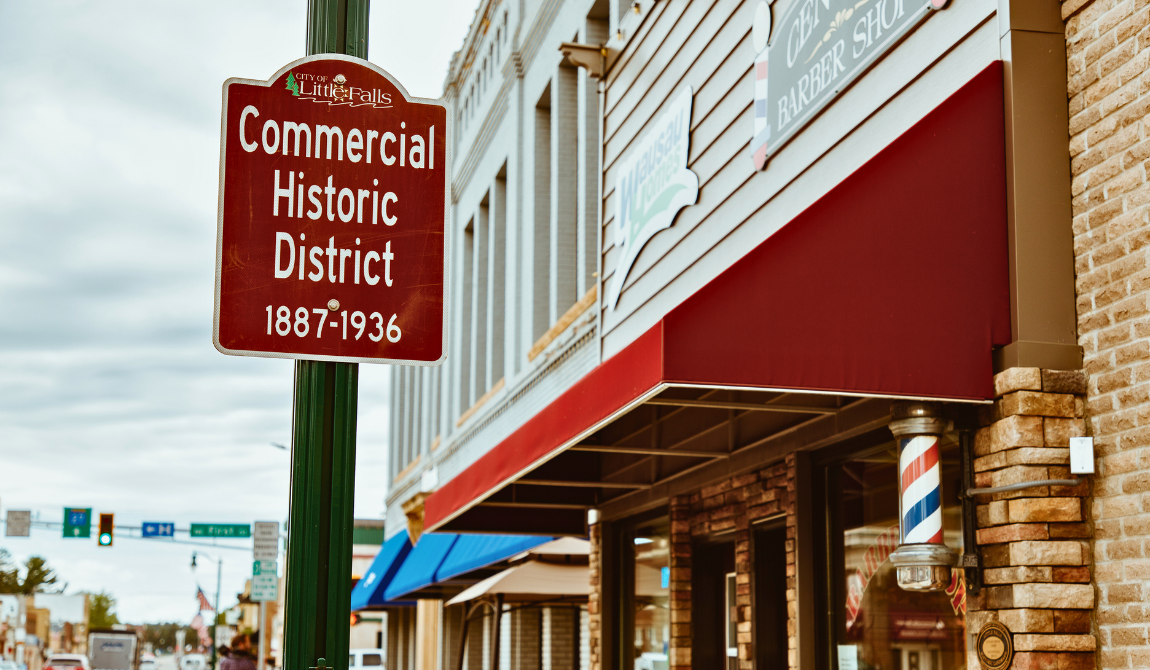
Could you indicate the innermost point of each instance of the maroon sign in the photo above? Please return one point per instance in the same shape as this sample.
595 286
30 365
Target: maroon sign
331 242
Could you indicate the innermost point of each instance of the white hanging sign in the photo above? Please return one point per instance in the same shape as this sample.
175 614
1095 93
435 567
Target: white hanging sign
653 185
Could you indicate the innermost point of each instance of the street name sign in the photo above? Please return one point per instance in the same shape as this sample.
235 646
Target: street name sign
19 523
333 207
221 530
158 529
77 522
814 53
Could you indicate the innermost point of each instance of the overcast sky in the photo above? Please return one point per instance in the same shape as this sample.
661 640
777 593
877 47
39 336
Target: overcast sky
111 394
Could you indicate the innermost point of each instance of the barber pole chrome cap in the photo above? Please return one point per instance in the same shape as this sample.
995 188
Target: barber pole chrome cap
922 560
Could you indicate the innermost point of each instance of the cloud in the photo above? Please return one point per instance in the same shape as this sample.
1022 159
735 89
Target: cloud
111 395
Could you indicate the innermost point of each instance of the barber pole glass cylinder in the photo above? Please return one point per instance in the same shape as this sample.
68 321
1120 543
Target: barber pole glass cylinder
922 560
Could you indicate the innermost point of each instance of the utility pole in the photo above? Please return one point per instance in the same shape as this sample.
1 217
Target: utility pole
216 614
318 599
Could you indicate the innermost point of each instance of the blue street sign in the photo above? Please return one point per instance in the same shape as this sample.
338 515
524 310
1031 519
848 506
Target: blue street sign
159 529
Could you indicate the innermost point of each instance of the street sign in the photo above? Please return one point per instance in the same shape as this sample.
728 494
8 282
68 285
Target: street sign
333 205
265 580
158 529
266 541
265 557
19 523
221 530
77 522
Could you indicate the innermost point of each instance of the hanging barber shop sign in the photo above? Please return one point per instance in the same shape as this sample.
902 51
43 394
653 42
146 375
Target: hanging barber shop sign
816 51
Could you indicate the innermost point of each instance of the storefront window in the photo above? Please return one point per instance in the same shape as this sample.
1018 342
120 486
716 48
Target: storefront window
651 547
876 624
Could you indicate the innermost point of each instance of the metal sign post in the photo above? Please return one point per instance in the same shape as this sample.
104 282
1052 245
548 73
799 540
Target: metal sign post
331 249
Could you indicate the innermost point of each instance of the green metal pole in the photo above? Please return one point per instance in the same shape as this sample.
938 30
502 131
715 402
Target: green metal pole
318 598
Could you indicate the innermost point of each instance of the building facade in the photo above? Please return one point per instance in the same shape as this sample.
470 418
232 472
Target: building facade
798 310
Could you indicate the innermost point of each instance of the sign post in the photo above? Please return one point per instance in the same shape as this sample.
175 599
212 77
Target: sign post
332 250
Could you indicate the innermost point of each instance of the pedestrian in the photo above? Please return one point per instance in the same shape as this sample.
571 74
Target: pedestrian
240 656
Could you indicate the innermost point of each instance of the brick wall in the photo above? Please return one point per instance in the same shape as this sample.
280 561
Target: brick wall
733 504
1109 95
1035 543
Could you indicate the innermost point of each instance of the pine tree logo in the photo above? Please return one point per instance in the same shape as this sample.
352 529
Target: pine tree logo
292 85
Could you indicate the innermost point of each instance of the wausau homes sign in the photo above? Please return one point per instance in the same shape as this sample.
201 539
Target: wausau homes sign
816 51
653 185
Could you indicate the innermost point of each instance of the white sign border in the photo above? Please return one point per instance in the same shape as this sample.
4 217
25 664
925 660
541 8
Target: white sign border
448 136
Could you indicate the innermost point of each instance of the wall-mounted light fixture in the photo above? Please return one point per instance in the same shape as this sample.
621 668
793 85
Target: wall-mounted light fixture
589 57
636 7
922 560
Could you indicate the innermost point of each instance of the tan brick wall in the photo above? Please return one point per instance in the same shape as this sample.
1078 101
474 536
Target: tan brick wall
1108 51
1035 542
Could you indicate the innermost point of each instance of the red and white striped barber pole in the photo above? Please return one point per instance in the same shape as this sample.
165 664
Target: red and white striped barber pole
922 560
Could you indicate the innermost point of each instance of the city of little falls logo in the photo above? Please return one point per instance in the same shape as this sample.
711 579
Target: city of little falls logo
334 90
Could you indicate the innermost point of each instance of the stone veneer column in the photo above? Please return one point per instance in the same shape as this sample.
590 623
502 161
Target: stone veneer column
594 599
680 656
1035 543
792 590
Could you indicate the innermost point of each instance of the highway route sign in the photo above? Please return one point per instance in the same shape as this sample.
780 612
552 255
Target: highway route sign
221 530
77 522
333 206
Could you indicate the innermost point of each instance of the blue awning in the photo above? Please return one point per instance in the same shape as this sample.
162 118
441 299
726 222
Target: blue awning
419 568
369 591
472 552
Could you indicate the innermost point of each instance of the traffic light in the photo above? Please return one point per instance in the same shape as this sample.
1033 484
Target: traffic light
105 538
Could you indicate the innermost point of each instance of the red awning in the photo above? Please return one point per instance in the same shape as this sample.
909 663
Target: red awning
893 284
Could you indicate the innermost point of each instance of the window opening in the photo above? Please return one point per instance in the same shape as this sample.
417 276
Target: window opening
873 622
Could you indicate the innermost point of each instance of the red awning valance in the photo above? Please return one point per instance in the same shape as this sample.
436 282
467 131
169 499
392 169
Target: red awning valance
895 283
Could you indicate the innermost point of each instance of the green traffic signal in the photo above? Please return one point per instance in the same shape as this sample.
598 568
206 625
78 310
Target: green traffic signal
104 539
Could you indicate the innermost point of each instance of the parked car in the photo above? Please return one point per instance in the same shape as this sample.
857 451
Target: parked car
67 662
365 658
193 662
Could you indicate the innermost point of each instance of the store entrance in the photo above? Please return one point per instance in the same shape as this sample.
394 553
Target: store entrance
714 599
770 588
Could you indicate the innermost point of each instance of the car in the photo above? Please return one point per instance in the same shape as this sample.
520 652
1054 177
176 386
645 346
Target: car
193 662
67 662
365 658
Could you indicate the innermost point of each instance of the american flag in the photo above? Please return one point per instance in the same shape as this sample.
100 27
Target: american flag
204 604
201 629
